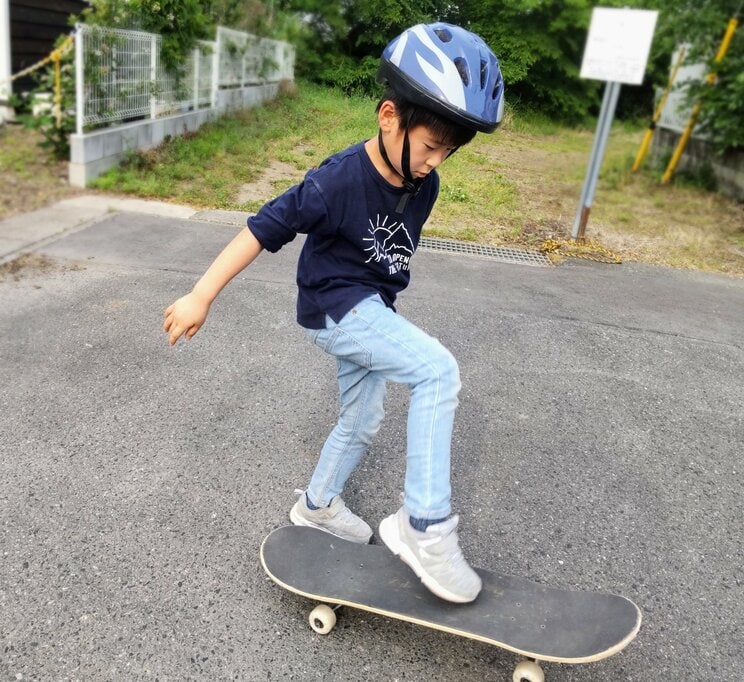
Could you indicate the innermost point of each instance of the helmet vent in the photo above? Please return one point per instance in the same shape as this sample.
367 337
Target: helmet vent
443 34
447 69
462 69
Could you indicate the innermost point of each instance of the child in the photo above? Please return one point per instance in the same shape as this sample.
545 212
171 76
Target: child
362 211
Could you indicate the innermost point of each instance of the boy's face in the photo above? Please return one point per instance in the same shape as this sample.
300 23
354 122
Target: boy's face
426 151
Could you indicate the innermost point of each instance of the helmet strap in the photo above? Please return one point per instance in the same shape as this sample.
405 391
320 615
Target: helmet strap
410 184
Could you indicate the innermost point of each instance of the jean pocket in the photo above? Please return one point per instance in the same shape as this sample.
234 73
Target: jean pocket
347 346
312 334
327 340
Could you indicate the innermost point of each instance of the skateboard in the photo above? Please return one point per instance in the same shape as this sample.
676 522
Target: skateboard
534 621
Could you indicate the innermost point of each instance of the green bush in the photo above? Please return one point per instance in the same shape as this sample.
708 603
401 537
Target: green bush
722 105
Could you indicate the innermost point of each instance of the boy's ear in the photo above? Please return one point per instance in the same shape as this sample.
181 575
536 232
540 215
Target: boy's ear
387 116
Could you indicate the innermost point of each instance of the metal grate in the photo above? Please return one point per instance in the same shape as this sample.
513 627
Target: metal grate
503 254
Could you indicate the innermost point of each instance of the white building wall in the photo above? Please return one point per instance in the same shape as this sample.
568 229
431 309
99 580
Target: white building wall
6 112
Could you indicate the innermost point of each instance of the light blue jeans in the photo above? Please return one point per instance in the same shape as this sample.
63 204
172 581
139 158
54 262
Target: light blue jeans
372 345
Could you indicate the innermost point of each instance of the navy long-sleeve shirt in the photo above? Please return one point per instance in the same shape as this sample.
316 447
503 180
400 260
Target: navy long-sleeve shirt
356 245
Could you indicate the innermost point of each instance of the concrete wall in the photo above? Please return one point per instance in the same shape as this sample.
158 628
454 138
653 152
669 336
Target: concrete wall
727 169
94 153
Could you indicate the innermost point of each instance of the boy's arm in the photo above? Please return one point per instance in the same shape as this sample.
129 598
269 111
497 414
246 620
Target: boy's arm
187 315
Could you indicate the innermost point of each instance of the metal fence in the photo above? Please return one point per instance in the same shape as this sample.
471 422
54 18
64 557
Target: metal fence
245 59
120 76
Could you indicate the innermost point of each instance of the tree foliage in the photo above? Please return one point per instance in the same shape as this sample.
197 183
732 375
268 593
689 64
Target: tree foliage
180 22
342 39
539 43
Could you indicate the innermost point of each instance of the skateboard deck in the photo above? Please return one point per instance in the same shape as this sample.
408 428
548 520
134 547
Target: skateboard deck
538 622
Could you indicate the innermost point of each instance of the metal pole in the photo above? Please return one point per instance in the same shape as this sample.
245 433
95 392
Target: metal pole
154 55
196 57
595 148
604 124
216 70
79 80
657 114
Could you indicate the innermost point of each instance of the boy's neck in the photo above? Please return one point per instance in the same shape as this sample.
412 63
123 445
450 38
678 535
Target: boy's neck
372 148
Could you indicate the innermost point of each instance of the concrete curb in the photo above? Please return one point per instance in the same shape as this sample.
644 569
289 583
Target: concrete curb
22 233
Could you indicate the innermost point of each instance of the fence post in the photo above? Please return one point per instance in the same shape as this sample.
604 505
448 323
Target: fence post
215 70
242 68
79 79
196 59
153 73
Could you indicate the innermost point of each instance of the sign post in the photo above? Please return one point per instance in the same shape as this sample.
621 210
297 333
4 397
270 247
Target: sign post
616 51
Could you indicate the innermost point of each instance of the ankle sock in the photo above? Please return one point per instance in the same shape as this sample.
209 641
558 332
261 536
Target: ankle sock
309 504
422 524
312 507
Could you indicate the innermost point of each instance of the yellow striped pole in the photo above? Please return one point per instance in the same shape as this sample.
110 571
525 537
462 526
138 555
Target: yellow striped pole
657 114
710 80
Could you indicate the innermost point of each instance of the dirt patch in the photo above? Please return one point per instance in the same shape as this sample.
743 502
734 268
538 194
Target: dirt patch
31 178
632 215
278 177
32 265
265 187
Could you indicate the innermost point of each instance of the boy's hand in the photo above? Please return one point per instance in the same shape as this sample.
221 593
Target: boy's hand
185 317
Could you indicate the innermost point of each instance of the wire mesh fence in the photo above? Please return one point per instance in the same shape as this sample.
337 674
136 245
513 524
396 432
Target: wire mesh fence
245 59
120 75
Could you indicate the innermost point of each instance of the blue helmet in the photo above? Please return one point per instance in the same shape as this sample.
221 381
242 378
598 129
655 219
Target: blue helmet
448 70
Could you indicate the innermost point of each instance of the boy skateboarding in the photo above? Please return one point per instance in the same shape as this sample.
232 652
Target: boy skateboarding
363 210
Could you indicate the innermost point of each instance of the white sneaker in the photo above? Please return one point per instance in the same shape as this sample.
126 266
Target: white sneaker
434 556
336 519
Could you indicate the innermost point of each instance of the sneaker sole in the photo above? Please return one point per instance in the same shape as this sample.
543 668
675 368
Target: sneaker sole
390 535
297 520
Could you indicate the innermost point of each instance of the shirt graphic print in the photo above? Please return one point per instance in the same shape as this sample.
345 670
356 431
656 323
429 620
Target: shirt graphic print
389 244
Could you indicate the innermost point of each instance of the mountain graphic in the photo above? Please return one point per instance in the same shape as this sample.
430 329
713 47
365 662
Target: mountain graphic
390 243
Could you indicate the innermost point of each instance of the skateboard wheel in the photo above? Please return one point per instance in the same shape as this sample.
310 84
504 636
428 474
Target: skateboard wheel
322 619
528 671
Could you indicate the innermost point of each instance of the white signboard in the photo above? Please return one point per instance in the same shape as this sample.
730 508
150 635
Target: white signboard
618 44
677 110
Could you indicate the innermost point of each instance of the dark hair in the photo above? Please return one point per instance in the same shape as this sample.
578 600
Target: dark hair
411 115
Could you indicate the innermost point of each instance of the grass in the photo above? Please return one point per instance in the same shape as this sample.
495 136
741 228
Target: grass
520 185
208 168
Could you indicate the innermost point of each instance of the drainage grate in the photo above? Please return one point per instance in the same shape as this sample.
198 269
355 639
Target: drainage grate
503 254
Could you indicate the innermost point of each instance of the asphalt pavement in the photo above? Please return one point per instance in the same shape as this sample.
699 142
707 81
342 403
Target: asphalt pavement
598 445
